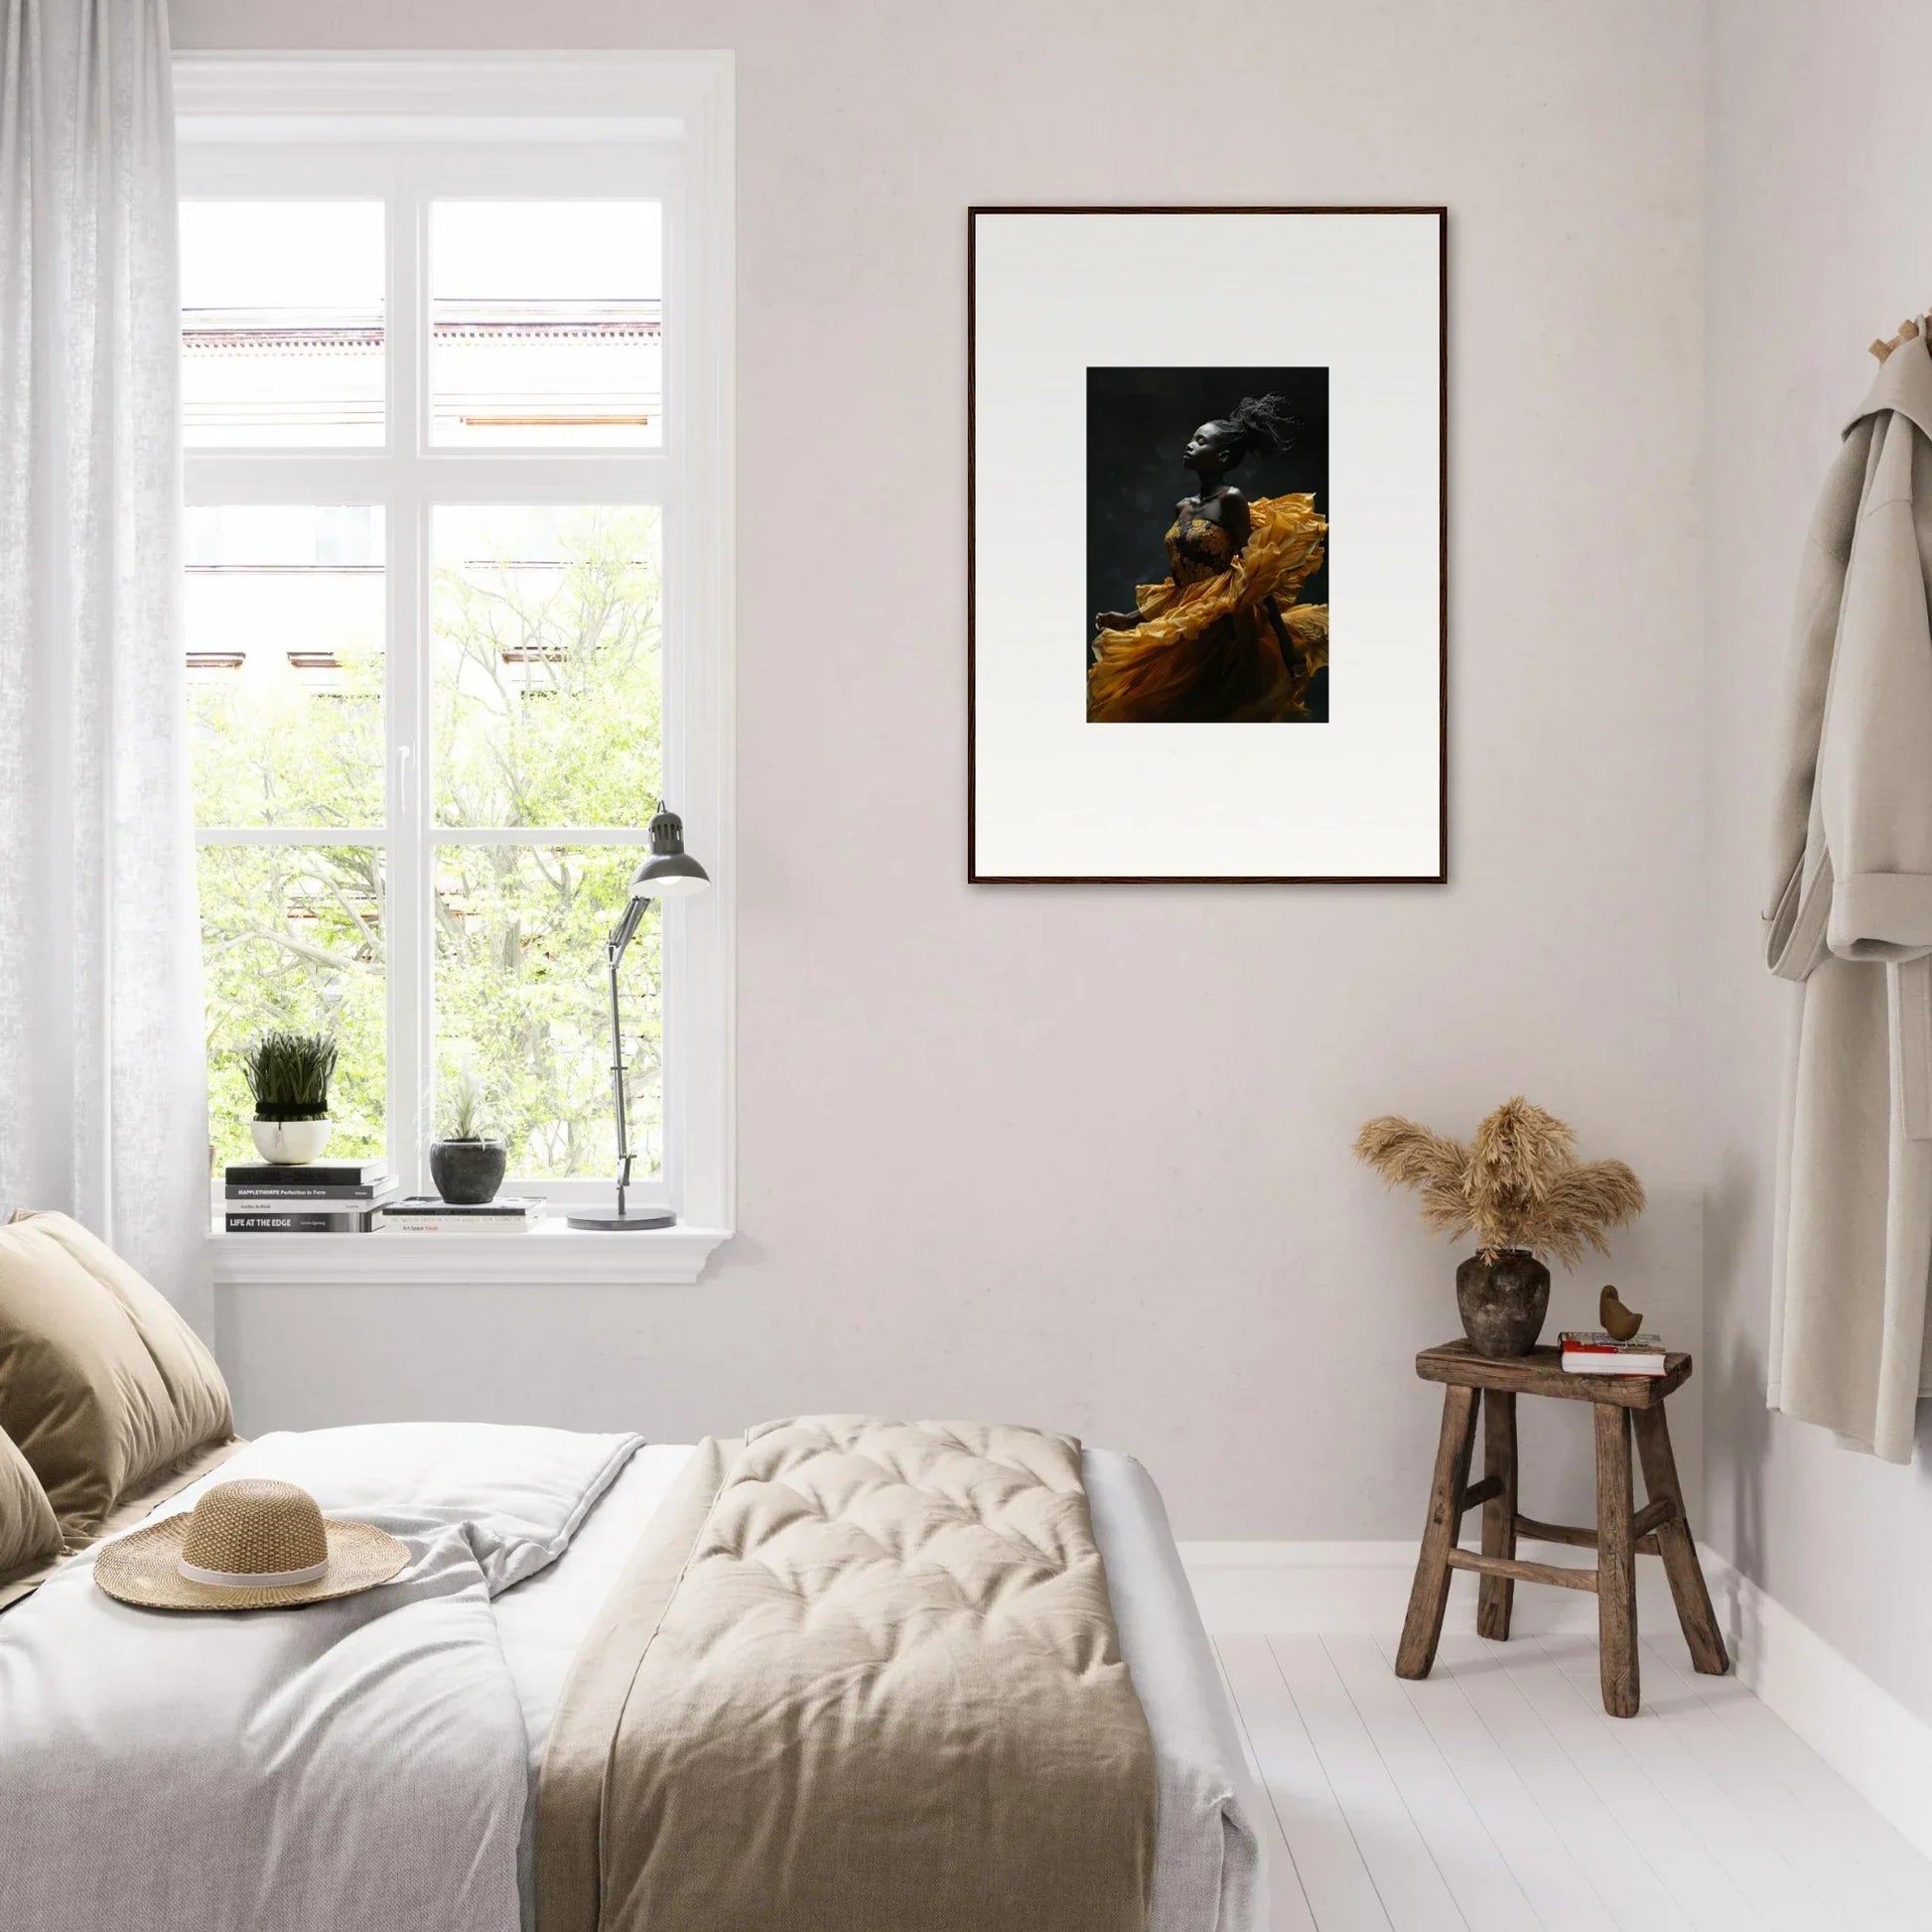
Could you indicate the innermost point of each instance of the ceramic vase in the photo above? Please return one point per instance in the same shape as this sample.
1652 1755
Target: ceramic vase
290 1143
468 1173
1503 1300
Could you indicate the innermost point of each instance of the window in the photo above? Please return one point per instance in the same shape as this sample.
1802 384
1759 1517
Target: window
455 353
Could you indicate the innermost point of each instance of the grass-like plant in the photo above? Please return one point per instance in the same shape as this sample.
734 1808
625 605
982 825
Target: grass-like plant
463 1113
288 1075
1516 1184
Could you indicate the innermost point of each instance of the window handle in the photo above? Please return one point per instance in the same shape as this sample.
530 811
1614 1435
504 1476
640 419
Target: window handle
403 776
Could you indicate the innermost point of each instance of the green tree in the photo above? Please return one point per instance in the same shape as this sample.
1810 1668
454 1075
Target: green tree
546 693
291 937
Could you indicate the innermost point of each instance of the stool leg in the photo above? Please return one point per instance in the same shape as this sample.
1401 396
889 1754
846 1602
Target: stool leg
1496 1596
1422 1629
1616 1562
1677 1547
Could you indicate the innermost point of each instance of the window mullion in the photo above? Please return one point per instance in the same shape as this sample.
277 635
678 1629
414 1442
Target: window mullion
410 1027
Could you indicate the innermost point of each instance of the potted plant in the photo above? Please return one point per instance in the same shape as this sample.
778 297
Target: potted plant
288 1075
1519 1189
468 1163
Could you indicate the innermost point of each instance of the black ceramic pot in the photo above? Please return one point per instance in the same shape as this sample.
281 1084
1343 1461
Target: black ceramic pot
468 1173
1503 1302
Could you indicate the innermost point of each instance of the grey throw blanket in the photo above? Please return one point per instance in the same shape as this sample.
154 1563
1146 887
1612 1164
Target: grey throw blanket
348 1765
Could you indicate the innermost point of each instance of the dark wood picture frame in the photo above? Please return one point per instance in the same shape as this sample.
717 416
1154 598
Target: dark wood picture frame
973 876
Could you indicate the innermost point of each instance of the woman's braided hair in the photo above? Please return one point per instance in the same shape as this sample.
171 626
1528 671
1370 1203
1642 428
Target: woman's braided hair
1262 423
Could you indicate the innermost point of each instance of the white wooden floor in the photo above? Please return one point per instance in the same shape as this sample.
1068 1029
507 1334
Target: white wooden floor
1497 1796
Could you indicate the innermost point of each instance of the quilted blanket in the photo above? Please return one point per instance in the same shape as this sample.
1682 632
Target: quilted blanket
865 1671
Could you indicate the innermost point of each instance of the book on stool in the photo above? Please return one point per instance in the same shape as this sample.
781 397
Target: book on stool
1596 1351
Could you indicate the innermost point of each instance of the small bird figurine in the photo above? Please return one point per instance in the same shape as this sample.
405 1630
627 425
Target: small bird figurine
1618 1321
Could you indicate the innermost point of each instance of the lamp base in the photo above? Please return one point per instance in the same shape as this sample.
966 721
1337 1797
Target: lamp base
607 1220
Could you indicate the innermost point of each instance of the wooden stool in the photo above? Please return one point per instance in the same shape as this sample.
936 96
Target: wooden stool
1658 1529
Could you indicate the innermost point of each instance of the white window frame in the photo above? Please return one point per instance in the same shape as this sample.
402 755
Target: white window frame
405 129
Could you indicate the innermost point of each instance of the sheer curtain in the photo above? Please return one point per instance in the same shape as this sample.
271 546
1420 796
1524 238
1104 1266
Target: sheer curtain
102 1096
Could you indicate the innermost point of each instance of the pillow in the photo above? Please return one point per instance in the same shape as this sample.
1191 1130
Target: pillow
103 1385
28 1534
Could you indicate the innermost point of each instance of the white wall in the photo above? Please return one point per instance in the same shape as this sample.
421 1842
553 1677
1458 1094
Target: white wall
1080 1156
1820 238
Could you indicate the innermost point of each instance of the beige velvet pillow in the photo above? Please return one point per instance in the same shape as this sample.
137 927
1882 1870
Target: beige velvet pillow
28 1534
103 1385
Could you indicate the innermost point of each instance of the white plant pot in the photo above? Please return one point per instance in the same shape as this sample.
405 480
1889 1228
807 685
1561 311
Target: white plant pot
290 1143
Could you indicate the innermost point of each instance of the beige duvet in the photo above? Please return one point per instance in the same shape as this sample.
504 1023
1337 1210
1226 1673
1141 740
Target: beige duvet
866 1668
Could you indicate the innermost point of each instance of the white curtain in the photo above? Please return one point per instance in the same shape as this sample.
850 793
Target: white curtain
102 1084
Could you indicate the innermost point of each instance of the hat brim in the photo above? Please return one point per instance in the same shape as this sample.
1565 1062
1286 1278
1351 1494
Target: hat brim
143 1568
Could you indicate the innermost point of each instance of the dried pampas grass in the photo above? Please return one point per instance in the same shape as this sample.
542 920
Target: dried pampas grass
1517 1185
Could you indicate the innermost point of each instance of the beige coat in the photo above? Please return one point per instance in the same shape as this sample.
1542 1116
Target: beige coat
1851 917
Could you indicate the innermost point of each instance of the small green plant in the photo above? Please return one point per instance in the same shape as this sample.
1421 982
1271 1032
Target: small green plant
288 1075
463 1113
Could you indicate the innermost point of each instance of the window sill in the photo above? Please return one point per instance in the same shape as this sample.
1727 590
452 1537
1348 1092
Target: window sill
549 1253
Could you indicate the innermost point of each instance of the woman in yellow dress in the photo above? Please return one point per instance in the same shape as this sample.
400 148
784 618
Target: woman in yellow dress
1223 640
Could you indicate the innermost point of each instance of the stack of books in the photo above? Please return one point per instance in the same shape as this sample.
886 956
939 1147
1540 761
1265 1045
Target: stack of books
324 1197
426 1214
1591 1351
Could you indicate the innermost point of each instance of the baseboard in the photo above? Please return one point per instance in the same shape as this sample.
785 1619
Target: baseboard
1880 1748
1883 1751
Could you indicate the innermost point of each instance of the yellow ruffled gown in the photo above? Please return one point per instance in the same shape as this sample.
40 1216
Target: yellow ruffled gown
1203 650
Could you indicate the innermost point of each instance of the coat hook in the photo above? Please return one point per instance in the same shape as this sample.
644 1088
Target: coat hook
1908 331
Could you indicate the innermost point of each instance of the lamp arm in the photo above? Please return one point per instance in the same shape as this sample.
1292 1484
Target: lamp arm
625 928
615 948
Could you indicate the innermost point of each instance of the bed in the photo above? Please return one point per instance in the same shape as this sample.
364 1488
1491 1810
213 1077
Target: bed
842 1673
73 1672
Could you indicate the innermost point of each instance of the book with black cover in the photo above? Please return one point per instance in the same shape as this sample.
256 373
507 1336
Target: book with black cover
286 1202
299 1180
350 1220
281 1191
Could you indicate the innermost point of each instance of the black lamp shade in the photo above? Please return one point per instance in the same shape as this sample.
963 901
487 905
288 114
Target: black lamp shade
671 871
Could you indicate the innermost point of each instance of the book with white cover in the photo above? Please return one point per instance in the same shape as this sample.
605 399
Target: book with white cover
503 1208
1583 1361
426 1214
454 1223
1591 1351
1599 1341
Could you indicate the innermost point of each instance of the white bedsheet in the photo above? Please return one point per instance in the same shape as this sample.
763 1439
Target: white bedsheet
1208 1871
352 1766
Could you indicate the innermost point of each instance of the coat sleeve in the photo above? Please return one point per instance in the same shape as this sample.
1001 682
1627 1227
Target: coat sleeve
1874 765
1796 908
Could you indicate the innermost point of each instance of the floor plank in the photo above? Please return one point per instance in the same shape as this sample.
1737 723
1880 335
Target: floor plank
1326 1861
1620 1871
1854 1877
1407 1881
1779 1893
1695 1879
1485 1889
1287 1904
1496 1796
1234 1704
1556 1887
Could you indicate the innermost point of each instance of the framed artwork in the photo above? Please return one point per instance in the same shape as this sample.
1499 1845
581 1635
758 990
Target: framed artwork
1205 545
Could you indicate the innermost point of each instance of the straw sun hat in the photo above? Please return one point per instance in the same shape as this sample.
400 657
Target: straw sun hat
250 1545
